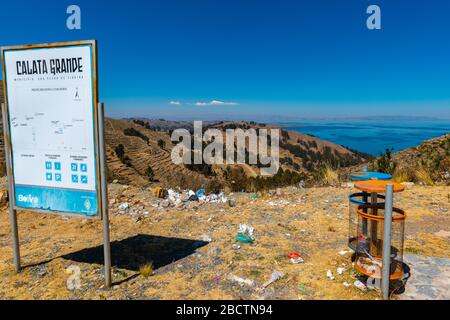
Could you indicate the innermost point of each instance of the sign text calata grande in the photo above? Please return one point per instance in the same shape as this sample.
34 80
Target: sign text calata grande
52 66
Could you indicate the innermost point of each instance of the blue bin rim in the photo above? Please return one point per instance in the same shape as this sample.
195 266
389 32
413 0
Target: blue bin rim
371 175
361 194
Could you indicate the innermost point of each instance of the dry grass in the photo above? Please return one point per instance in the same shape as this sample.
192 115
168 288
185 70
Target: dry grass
146 270
401 175
329 176
423 176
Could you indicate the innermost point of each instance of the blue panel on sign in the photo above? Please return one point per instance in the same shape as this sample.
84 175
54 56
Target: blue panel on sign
48 165
75 178
53 199
58 177
74 167
83 167
57 165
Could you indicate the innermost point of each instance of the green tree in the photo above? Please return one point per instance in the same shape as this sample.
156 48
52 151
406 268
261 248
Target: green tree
161 143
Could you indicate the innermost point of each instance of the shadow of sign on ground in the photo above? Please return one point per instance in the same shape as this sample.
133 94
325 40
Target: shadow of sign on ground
133 252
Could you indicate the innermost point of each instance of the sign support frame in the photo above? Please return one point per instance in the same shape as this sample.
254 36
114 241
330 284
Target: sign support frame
11 193
104 194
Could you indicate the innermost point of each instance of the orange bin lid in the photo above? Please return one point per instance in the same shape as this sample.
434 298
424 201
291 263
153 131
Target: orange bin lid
378 186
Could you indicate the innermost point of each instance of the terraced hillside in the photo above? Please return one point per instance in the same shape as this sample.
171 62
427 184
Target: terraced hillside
144 152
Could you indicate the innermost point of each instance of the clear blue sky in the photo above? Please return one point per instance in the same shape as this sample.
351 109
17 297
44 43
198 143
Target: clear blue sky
264 59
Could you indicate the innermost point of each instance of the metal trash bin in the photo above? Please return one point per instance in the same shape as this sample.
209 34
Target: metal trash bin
355 200
370 231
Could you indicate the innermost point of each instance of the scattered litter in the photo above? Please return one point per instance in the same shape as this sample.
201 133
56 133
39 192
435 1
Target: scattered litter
280 203
295 257
276 275
236 246
373 284
200 193
330 275
206 238
302 288
245 234
243 281
360 285
243 228
124 206
159 192
340 270
193 198
346 284
244 238
344 252
254 196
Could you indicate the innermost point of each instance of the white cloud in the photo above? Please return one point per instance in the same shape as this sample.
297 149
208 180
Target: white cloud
175 103
215 103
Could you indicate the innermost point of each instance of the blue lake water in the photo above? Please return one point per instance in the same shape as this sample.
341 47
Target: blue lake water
373 136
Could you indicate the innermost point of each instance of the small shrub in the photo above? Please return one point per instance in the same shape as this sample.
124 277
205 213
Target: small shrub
161 143
423 176
146 270
135 133
329 176
385 163
401 175
2 169
149 173
120 152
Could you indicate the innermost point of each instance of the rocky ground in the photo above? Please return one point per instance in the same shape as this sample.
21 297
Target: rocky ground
195 255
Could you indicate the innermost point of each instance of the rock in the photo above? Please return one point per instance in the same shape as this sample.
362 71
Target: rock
164 204
232 203
408 185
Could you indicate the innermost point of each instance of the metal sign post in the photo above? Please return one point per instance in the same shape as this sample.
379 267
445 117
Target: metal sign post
11 195
386 270
104 191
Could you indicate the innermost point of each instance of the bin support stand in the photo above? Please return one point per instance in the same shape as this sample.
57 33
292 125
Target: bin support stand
386 270
105 216
11 194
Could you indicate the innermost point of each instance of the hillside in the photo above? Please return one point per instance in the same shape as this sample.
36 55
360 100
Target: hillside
427 163
433 155
144 145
